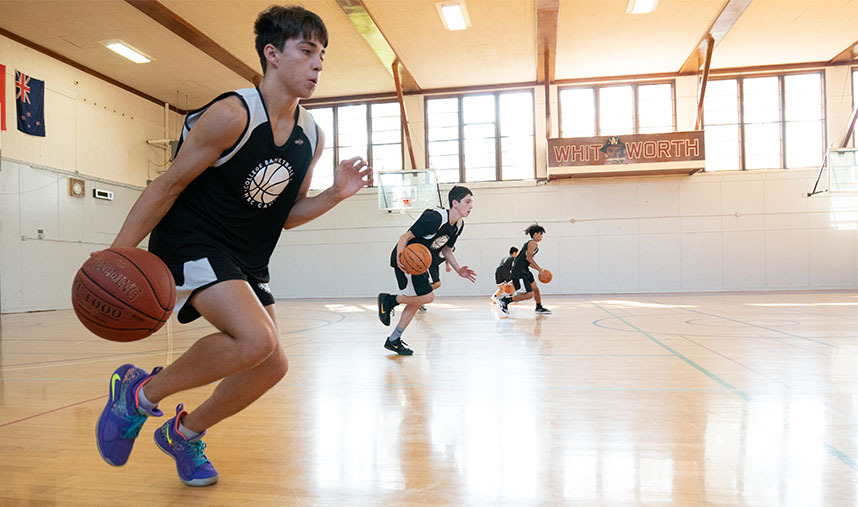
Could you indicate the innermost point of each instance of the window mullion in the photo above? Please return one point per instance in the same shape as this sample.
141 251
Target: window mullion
782 113
741 98
498 141
461 138
369 134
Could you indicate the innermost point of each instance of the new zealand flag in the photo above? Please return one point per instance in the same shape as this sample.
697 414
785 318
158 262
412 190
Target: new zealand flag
30 104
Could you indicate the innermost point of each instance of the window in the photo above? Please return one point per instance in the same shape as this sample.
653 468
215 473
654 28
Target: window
372 131
481 137
764 122
603 110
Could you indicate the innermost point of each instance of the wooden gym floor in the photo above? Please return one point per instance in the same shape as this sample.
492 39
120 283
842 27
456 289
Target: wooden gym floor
696 399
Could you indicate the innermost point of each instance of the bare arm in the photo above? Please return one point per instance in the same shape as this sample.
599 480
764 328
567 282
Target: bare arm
216 130
400 247
350 176
463 271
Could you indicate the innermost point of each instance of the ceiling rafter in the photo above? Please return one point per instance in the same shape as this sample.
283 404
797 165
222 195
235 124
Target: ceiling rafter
847 55
173 22
730 12
546 38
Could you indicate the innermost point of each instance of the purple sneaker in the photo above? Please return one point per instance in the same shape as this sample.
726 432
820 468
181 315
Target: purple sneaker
122 417
191 462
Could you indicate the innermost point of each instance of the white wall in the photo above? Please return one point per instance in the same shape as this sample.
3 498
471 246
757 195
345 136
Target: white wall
706 232
94 131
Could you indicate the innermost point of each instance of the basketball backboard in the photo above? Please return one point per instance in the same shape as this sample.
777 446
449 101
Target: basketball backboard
843 170
402 191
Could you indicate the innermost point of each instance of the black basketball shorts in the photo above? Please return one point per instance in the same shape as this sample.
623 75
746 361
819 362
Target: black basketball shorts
412 285
194 276
522 282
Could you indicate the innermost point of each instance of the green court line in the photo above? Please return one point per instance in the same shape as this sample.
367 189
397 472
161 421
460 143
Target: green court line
736 321
688 361
845 458
840 455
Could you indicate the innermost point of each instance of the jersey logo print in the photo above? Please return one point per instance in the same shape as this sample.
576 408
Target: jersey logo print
439 242
266 182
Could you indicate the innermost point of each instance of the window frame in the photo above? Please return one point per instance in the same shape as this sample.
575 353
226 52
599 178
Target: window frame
782 123
635 100
333 137
461 129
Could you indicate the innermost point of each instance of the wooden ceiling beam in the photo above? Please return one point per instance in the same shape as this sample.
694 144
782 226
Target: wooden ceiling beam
730 12
367 27
847 55
547 12
173 22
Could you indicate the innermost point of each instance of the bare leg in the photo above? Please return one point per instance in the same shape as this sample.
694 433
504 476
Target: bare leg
248 336
239 390
412 304
522 297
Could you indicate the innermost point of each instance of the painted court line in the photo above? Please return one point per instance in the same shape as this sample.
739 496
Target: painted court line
840 455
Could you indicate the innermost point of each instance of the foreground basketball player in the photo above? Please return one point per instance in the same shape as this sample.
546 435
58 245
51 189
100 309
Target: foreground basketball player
522 279
438 230
241 176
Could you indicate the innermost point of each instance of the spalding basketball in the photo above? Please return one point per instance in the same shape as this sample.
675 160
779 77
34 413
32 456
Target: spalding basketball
123 294
416 259
545 276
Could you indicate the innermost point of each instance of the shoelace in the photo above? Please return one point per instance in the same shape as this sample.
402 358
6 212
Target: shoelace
197 453
136 421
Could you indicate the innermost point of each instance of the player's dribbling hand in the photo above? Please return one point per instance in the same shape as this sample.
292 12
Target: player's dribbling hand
466 272
351 175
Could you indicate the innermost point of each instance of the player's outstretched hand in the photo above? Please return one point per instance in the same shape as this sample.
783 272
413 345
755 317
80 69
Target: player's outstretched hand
351 175
466 272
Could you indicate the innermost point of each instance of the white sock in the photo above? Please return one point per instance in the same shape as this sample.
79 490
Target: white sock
145 405
188 434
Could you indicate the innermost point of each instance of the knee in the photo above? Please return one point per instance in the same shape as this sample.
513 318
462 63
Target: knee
279 365
260 344
429 298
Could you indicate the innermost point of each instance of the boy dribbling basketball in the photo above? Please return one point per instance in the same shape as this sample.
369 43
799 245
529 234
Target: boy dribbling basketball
522 279
240 177
438 230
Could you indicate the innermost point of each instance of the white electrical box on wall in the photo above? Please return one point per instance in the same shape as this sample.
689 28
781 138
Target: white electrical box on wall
98 193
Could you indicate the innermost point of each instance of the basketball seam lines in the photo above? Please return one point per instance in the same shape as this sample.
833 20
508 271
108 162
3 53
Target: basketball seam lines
158 299
161 319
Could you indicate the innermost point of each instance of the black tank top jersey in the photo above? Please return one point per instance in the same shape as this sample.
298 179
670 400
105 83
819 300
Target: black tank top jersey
238 206
433 230
521 264
504 269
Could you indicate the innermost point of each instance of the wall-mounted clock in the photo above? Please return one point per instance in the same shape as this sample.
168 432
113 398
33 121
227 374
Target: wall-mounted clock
77 187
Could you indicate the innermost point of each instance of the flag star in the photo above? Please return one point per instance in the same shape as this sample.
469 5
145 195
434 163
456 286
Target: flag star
28 114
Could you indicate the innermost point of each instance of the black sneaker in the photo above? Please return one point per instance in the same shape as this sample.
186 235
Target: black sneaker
385 310
398 346
422 308
503 304
543 310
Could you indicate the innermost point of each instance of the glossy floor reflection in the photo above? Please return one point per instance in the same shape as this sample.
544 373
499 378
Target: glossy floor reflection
733 399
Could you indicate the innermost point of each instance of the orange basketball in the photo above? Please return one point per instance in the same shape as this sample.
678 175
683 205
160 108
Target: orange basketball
416 259
545 276
123 294
508 288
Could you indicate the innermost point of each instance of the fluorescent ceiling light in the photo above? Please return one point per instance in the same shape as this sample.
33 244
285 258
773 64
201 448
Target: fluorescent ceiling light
454 15
641 6
124 49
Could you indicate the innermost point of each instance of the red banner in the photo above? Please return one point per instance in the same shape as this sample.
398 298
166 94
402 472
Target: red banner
2 97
